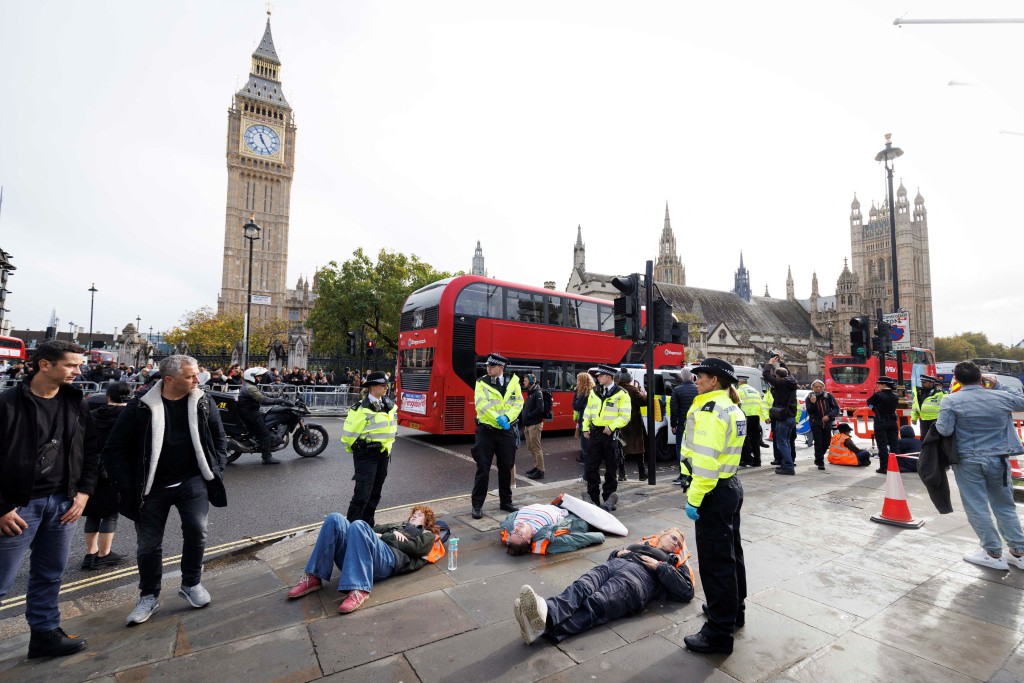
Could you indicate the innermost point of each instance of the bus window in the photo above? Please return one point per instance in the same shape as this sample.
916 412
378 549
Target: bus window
554 310
525 306
416 358
552 378
586 315
849 374
606 318
479 300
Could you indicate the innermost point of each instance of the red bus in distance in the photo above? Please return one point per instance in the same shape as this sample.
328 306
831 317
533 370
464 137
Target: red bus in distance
852 380
448 327
12 349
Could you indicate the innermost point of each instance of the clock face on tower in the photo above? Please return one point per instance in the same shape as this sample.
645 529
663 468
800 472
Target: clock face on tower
262 140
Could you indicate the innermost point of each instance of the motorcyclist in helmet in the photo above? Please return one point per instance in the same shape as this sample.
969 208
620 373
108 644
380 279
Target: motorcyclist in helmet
250 398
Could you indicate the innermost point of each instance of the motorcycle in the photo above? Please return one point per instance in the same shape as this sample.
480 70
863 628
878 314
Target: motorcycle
286 424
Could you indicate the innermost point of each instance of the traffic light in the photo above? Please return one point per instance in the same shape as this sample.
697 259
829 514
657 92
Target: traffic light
369 348
626 307
883 337
351 343
680 333
661 322
860 336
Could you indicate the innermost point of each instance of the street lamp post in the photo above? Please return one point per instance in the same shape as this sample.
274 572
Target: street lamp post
887 156
252 233
92 305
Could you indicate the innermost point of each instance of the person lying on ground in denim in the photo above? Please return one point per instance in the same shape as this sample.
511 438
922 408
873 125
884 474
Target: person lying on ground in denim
546 530
624 584
980 414
365 554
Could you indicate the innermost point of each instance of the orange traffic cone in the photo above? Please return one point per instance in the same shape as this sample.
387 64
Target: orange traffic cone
1015 469
895 510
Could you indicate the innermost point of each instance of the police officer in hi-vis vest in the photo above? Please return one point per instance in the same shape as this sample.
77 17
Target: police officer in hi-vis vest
499 400
927 402
750 404
608 410
715 430
368 434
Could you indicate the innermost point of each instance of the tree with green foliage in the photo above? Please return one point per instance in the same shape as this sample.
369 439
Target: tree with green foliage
973 345
361 293
214 333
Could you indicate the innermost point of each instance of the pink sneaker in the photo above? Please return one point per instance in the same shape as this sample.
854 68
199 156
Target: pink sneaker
353 601
309 584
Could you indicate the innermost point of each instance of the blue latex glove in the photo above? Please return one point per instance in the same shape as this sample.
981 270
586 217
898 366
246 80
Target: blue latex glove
503 422
692 513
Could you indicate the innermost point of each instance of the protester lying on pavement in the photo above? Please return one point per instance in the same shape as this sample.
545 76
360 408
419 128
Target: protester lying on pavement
624 584
548 529
366 554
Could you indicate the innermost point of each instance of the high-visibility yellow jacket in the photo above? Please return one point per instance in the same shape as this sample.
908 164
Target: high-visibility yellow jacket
493 400
715 429
372 423
928 408
766 405
612 412
751 401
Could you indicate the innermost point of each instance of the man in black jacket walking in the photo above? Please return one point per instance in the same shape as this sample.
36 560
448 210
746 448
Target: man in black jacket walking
49 464
822 410
532 419
679 405
168 449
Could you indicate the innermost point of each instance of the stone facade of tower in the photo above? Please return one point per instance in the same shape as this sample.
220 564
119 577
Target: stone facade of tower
866 282
668 268
478 261
260 163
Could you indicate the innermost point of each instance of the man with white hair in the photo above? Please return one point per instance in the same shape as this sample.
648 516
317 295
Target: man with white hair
168 449
822 410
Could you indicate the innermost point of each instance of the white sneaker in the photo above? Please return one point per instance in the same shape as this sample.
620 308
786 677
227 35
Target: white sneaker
196 595
532 614
1017 562
981 557
143 610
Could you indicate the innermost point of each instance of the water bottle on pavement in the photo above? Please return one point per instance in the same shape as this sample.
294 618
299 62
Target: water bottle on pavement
453 554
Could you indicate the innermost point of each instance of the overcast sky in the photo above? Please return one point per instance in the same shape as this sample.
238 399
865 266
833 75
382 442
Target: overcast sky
424 126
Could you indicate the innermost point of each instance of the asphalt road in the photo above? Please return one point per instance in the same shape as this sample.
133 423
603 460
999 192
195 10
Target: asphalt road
301 491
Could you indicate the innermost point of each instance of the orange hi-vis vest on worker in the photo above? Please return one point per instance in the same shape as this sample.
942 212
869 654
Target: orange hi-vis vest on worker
839 454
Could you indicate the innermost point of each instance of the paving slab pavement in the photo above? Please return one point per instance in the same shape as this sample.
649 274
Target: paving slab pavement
832 597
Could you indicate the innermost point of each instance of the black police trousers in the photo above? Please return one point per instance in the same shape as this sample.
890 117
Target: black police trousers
600 451
752 442
371 469
490 443
720 554
886 436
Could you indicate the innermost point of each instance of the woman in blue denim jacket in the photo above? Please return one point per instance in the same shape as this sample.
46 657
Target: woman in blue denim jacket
981 416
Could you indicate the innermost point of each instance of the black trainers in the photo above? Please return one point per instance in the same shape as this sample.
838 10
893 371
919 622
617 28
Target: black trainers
111 559
89 561
612 501
271 461
783 470
508 507
53 643
535 475
532 470
477 513
698 642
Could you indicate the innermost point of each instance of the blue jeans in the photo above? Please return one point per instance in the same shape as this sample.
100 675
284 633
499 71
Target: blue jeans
783 439
984 482
50 542
355 549
193 503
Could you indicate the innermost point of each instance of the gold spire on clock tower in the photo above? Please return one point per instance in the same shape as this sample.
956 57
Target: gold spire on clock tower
261 163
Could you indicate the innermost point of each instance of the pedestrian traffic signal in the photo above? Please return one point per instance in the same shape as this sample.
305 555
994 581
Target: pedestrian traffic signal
369 348
883 337
661 322
351 343
626 307
860 336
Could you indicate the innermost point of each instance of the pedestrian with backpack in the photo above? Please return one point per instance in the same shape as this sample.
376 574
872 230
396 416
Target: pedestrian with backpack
532 419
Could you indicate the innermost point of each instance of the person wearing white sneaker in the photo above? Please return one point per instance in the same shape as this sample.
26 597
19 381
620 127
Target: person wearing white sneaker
623 585
980 415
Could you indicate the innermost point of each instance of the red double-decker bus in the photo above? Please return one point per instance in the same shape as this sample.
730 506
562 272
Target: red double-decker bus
12 349
852 380
448 328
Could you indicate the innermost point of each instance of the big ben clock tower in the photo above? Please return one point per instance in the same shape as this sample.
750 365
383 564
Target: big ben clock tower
261 162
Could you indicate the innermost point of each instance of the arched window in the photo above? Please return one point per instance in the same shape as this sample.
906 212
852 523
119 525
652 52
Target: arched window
721 336
881 269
